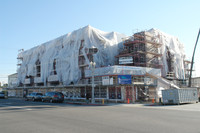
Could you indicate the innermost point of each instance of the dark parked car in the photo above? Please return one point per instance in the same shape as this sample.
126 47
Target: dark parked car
35 96
3 94
53 97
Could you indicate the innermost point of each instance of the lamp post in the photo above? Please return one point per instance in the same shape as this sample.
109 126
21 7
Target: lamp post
92 66
190 84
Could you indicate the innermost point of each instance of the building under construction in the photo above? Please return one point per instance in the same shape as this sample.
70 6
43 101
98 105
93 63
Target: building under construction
131 74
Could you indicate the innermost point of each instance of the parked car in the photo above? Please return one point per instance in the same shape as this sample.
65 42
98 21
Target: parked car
3 94
53 97
35 96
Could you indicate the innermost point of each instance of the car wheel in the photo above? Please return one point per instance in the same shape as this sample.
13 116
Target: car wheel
51 100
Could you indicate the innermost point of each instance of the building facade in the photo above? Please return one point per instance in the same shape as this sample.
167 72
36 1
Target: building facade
127 70
12 80
195 82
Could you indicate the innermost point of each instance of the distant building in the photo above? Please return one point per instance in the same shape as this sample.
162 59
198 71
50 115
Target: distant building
12 80
195 82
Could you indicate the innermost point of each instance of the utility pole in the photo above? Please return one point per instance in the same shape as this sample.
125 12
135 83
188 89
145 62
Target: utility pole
189 85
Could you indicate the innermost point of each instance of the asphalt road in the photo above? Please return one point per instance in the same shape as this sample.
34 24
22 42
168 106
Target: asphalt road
18 116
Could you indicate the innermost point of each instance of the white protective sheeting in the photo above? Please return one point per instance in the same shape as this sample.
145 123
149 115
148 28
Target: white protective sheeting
123 70
65 50
176 48
162 84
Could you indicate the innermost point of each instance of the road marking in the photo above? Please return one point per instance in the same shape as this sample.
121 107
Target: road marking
28 109
15 107
192 107
181 109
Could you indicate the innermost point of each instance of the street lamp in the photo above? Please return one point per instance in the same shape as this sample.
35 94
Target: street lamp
193 59
92 66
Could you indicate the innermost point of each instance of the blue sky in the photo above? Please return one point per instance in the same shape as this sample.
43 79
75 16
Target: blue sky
28 23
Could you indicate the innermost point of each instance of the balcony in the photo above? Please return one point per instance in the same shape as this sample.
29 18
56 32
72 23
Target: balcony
53 78
38 80
27 81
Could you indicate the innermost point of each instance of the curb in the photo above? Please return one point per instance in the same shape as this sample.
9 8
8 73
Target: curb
85 104
153 104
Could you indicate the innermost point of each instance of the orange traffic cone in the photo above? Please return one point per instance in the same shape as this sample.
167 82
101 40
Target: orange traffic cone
153 101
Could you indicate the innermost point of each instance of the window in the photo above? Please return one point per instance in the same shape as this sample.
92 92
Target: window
38 68
100 92
142 47
139 79
142 58
54 68
115 93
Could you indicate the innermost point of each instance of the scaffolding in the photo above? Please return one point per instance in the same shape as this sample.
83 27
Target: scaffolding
187 68
142 50
82 61
19 58
85 56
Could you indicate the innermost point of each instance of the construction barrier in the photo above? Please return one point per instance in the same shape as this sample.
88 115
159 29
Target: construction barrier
153 101
102 101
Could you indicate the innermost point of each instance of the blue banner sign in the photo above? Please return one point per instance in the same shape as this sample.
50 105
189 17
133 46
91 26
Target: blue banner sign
124 79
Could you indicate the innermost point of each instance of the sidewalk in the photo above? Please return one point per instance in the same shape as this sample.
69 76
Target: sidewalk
100 103
111 104
86 104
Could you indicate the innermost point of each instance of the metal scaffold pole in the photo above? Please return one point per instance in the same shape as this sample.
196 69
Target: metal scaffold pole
92 65
189 85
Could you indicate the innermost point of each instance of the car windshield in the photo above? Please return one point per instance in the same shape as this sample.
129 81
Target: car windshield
59 93
40 94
